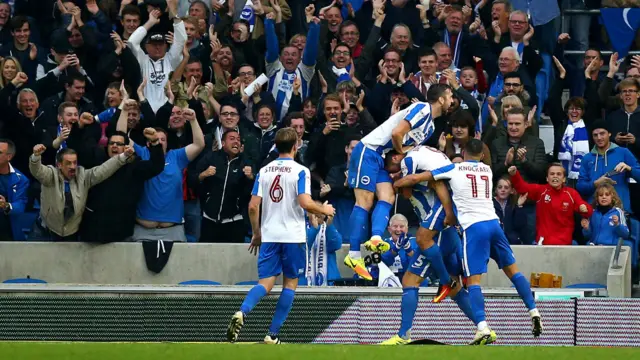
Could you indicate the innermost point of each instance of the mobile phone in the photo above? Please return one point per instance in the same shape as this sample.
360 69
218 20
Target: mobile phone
624 133
611 173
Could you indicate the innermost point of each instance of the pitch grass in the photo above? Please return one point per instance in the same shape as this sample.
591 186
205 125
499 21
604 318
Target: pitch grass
190 351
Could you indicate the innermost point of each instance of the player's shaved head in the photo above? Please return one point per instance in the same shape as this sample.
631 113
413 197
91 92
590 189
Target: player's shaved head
473 150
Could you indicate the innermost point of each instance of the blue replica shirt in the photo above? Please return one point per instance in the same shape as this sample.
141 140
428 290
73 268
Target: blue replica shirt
162 195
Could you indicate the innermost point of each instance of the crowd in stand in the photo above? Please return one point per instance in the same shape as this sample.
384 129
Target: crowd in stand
125 121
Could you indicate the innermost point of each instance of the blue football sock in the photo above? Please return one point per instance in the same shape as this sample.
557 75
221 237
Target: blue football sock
408 308
435 258
524 290
282 311
477 303
253 298
358 222
380 218
462 299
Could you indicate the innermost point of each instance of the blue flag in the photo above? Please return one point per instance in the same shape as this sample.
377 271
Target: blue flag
622 26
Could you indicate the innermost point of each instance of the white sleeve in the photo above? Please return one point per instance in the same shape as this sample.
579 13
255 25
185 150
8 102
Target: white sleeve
134 43
179 38
445 172
272 68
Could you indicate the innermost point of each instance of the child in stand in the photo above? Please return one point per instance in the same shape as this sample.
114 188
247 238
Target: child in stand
608 223
508 207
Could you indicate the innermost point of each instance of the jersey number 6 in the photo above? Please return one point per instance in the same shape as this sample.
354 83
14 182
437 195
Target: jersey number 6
275 191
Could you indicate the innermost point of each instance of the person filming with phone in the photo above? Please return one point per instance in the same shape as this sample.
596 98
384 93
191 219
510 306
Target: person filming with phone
607 163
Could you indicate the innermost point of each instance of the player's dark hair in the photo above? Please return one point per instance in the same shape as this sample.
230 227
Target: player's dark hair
474 147
436 91
286 139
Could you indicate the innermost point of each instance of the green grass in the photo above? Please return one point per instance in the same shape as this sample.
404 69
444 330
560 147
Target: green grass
161 351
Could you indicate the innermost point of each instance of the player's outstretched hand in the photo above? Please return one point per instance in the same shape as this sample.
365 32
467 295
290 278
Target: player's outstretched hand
254 247
327 209
512 170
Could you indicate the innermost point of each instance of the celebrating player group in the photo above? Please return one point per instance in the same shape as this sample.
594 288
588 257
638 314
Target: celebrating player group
443 195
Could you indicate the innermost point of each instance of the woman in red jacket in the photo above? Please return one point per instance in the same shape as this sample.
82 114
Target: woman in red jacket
555 206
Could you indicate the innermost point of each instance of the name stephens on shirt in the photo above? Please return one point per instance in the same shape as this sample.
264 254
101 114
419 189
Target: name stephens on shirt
280 169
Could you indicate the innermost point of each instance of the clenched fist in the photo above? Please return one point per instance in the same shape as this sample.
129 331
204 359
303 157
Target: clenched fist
151 134
39 149
211 170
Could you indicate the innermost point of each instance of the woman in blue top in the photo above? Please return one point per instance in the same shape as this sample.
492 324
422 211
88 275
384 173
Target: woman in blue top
608 223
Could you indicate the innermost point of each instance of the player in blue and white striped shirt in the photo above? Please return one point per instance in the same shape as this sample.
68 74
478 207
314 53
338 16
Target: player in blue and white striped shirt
283 71
401 132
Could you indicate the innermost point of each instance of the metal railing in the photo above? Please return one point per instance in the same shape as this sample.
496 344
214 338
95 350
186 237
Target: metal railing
586 12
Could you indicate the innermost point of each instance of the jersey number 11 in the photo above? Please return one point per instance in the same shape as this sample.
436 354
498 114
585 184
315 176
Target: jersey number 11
474 185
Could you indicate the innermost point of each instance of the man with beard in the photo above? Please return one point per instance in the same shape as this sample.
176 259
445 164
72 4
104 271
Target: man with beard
111 212
283 71
226 178
64 191
157 63
463 46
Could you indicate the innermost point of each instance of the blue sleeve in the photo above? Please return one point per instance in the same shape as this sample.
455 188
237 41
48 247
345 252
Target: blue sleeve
20 198
585 185
181 157
388 258
256 186
631 160
271 40
444 172
106 115
355 4
334 239
415 116
141 151
310 53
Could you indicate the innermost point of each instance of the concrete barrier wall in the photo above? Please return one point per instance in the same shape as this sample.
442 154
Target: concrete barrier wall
123 263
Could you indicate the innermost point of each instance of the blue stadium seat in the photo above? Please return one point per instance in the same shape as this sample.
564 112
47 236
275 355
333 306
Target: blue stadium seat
586 286
191 238
249 282
199 282
24 281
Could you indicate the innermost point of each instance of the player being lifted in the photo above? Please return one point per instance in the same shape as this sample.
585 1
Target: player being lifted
401 132
285 187
431 201
471 183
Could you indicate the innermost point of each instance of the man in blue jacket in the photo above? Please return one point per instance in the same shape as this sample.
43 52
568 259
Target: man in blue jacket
607 163
323 240
13 194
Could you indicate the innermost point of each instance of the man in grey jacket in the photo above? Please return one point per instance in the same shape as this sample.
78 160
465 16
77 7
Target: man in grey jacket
64 191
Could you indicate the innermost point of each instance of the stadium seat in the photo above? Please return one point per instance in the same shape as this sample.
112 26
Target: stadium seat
25 222
191 238
249 282
26 280
199 282
586 286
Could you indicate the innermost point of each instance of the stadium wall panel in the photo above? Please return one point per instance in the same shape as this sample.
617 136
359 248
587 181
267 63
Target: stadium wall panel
346 319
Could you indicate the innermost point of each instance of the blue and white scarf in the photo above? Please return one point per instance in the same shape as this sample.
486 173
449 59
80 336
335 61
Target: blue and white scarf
316 272
63 145
249 15
456 51
575 144
386 277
